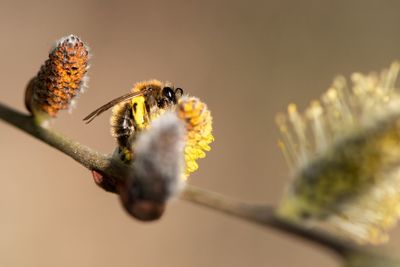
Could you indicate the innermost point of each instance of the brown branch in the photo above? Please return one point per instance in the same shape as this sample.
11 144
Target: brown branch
265 215
259 214
84 155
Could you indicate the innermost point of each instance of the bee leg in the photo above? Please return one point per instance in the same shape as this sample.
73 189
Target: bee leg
125 146
125 154
147 115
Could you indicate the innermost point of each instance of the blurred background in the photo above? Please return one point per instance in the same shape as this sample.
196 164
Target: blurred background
246 59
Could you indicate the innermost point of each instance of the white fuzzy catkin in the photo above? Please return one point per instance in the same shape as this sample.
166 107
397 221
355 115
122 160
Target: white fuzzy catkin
159 155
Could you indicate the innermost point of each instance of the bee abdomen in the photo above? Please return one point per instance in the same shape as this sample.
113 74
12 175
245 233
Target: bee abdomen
122 126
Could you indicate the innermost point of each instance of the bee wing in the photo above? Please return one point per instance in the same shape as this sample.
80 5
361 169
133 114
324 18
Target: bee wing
112 103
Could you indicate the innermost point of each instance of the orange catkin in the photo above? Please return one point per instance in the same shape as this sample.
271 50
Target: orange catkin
59 79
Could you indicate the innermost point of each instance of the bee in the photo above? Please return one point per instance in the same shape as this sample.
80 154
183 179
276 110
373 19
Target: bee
144 195
135 110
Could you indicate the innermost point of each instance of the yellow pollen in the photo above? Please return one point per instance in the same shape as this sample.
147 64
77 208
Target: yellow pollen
199 126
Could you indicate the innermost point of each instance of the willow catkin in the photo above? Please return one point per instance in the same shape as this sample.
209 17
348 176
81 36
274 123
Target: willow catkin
61 78
344 155
198 121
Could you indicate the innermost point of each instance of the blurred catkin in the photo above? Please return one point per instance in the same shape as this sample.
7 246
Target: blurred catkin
157 168
358 259
60 78
159 157
344 156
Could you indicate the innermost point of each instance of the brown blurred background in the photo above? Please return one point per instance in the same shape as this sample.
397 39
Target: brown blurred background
246 59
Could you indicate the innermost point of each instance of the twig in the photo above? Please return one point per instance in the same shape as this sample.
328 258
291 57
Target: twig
265 216
260 214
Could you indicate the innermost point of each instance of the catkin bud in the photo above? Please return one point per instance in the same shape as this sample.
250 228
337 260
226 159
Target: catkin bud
59 80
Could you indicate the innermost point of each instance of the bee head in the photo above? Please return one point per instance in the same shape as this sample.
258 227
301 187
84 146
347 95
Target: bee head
170 95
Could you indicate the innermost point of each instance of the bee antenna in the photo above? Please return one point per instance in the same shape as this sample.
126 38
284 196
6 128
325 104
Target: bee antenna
179 91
